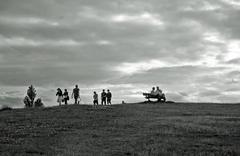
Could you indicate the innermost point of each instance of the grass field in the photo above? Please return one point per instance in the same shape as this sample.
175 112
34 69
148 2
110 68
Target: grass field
130 129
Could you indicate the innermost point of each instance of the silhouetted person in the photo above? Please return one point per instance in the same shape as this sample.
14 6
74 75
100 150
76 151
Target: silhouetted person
109 97
160 94
59 95
158 91
95 98
75 94
153 92
65 97
103 97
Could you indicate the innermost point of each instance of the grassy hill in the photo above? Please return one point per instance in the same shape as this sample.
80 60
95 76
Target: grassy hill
130 129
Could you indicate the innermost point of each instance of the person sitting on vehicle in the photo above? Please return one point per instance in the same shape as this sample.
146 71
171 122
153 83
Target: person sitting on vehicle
158 92
153 92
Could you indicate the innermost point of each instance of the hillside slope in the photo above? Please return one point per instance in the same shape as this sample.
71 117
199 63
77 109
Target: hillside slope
133 129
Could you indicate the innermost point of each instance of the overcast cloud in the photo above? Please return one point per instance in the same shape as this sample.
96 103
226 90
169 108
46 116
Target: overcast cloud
190 48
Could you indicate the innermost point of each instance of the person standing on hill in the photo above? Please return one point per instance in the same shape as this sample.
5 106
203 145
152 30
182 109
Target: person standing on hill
103 97
76 94
65 96
109 97
95 99
59 95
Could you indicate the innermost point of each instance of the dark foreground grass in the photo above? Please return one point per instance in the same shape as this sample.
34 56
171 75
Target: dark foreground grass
134 129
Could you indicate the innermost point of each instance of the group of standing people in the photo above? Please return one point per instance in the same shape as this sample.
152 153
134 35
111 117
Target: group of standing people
106 97
64 97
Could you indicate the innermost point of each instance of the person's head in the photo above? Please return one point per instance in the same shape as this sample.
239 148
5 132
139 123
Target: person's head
76 86
58 89
153 88
103 90
94 92
65 90
108 90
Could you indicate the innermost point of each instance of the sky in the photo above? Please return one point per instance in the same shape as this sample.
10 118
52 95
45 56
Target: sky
190 49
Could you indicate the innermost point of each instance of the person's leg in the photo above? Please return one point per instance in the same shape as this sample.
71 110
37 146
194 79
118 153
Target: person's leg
75 98
65 101
105 103
57 101
60 100
95 103
102 101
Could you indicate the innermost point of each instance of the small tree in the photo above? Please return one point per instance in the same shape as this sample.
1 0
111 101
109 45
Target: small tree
29 99
31 93
27 102
38 103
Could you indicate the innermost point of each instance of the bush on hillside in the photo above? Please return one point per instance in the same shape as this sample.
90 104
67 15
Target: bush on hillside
29 99
27 102
5 108
38 103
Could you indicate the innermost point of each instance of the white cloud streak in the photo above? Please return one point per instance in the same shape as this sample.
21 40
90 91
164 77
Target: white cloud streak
28 21
20 41
144 66
145 18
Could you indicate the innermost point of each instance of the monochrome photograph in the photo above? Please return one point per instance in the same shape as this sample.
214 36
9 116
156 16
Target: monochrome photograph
119 77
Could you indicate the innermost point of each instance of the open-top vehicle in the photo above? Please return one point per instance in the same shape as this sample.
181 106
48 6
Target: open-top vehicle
160 98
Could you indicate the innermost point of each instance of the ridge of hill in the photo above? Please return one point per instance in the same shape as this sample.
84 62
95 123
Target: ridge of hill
130 129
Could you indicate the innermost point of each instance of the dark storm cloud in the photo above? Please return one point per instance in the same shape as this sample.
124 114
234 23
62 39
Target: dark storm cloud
184 46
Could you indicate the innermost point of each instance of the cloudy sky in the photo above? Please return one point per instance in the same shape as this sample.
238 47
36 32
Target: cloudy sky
190 48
